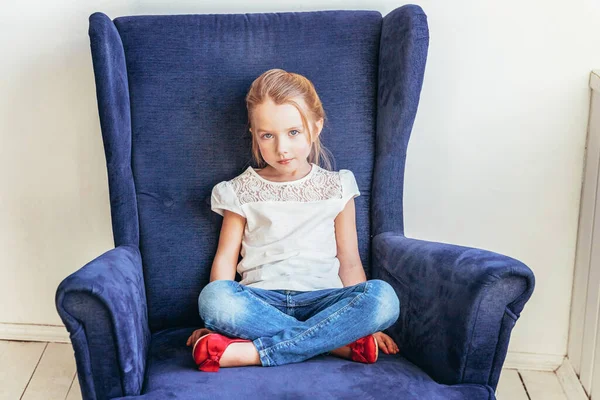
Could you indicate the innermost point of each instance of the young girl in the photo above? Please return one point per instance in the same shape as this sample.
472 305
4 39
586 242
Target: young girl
303 290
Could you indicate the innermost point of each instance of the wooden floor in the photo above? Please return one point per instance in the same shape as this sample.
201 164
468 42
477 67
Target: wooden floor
38 370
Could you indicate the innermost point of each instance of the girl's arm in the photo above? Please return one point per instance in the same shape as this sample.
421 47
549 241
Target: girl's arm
228 251
351 268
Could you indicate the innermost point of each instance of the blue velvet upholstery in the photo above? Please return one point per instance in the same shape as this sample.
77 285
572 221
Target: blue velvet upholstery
170 93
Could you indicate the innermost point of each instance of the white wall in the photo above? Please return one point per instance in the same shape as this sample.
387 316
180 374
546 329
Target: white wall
495 160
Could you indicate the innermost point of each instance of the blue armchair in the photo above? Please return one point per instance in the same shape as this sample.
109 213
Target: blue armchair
170 93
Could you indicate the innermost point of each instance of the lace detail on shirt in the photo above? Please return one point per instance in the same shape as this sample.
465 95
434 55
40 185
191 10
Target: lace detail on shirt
321 185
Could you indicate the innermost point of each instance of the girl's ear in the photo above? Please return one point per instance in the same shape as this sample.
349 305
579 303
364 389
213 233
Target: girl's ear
319 125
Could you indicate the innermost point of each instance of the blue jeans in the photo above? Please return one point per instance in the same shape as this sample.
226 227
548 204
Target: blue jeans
289 326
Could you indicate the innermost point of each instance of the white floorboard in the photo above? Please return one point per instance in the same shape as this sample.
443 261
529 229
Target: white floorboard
38 370
543 385
53 375
75 390
18 361
510 386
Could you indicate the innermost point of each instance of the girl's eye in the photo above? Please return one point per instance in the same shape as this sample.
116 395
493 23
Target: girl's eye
294 130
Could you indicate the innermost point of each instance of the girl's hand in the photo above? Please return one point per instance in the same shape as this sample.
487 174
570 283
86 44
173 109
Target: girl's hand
196 335
386 343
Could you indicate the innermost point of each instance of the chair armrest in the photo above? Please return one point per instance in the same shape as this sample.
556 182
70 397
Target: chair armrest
103 306
458 305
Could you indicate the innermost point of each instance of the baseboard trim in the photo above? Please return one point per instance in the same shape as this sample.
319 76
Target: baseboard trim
570 382
533 361
34 333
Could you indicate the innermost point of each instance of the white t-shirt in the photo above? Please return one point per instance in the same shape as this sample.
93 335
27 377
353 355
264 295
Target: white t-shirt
289 239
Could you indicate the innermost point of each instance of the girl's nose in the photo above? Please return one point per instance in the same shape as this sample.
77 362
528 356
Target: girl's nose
282 147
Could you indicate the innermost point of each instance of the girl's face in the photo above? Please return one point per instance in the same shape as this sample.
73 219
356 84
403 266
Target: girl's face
280 136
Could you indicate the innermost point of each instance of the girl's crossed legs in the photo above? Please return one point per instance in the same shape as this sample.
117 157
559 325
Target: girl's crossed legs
288 326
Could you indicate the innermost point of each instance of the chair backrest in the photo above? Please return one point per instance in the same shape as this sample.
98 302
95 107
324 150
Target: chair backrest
171 94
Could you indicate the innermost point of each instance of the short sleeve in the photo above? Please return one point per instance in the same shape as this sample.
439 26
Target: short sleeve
349 186
223 198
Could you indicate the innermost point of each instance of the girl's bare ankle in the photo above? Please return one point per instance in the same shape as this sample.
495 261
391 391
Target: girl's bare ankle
240 354
344 352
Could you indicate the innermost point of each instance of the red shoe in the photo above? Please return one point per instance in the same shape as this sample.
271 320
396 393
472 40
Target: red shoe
365 349
209 348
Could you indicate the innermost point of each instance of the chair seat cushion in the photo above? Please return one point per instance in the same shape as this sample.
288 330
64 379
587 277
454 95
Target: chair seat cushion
172 374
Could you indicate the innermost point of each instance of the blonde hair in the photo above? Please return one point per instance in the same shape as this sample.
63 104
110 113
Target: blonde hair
281 87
